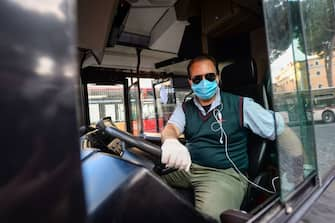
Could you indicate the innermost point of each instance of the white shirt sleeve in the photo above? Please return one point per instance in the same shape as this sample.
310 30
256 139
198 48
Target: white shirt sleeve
260 120
178 118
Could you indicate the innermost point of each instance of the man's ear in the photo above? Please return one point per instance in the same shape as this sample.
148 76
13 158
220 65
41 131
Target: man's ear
218 79
190 82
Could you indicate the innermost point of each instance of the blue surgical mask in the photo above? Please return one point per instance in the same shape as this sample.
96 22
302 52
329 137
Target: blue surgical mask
205 89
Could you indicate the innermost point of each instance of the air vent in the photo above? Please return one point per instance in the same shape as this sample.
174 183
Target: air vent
132 1
162 2
143 3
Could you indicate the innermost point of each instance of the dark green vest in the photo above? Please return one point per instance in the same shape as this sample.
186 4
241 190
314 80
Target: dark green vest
204 144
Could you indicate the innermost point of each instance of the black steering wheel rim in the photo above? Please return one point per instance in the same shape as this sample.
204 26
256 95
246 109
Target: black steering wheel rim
131 140
140 143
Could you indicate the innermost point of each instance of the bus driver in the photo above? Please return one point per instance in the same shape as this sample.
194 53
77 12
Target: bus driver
215 155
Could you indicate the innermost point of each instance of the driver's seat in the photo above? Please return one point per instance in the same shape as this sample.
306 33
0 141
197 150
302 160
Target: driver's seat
240 78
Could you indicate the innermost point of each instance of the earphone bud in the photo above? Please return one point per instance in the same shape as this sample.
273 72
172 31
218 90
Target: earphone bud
220 116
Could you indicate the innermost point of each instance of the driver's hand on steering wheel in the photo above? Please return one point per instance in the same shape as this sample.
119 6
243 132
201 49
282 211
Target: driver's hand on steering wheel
175 155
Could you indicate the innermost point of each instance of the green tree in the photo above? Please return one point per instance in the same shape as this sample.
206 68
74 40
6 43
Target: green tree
319 27
278 29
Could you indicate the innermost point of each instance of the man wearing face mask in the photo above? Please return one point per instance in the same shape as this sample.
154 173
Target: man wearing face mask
214 125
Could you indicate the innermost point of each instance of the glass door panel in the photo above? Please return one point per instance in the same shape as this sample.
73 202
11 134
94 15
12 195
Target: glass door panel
291 92
319 28
107 100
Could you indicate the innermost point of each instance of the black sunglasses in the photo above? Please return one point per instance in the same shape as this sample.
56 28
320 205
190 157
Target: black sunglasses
197 78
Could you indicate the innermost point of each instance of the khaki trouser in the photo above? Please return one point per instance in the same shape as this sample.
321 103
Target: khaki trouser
215 190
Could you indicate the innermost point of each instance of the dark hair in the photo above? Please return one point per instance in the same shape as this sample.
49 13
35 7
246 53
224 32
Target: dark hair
202 58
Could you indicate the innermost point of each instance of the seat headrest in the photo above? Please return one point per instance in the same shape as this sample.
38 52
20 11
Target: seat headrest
240 78
240 73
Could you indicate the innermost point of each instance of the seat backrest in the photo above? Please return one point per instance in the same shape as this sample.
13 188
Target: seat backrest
240 78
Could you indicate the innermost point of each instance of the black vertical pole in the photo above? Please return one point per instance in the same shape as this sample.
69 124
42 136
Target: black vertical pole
156 108
127 105
139 118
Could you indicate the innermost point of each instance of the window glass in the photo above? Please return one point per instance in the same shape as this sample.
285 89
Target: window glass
120 113
165 100
110 111
319 28
182 95
167 97
106 100
291 93
94 113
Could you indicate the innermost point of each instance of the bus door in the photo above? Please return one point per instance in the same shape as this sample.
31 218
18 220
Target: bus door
151 103
300 39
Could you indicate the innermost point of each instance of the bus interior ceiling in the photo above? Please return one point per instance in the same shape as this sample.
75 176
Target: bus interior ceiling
169 33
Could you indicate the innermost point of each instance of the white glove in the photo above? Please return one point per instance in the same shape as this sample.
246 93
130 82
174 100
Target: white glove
176 155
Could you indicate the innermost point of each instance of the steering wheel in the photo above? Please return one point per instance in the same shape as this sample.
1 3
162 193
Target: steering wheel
91 137
142 144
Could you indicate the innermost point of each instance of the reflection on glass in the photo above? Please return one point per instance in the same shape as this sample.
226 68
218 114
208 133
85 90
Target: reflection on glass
106 100
53 7
69 70
45 66
165 101
291 92
319 29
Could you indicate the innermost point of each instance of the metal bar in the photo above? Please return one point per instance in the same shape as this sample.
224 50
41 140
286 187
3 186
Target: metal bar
135 141
168 62
156 108
127 105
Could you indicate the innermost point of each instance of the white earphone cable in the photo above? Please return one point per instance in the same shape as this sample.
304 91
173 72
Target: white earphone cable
218 117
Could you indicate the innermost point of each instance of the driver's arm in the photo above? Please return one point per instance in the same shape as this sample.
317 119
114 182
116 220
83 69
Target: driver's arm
261 121
176 124
175 154
170 132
